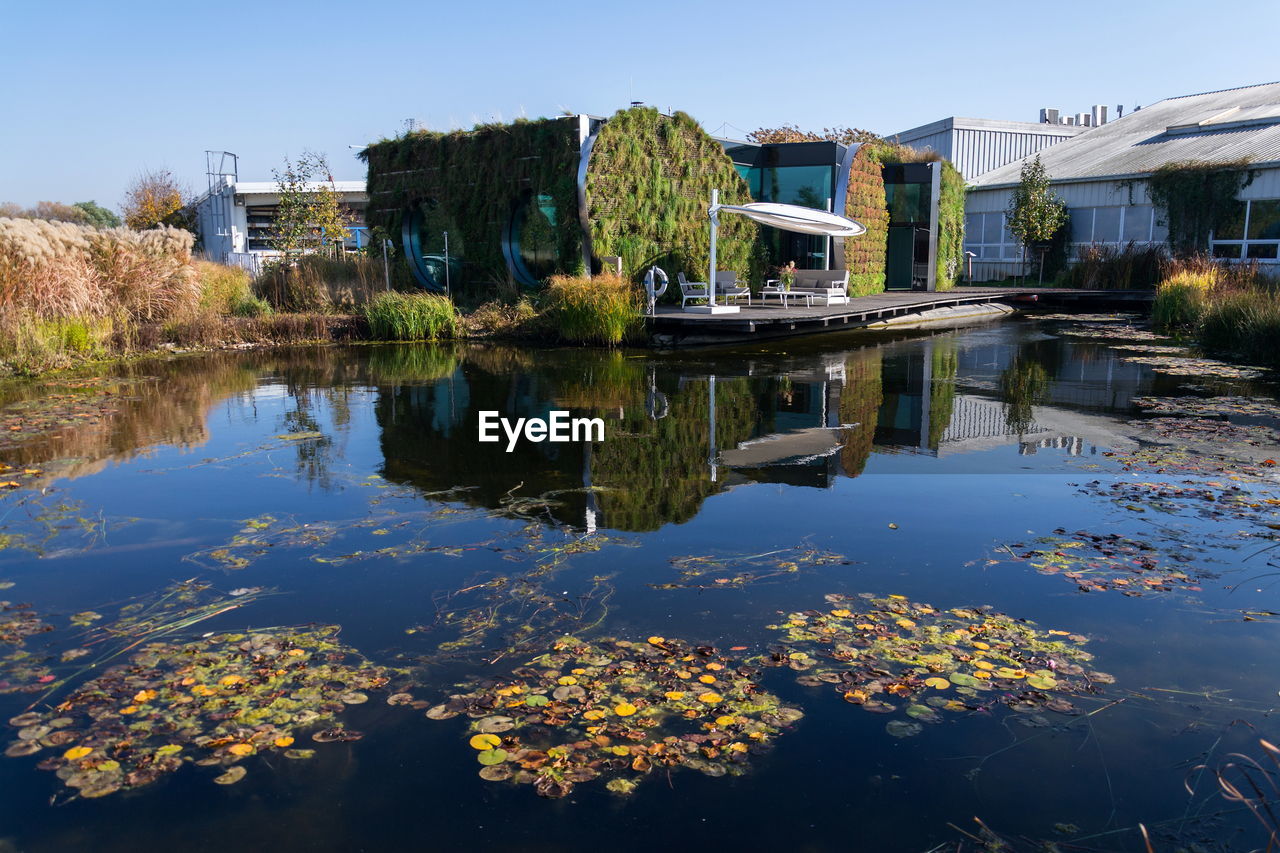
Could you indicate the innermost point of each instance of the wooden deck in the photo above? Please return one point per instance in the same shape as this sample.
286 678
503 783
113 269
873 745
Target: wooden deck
673 326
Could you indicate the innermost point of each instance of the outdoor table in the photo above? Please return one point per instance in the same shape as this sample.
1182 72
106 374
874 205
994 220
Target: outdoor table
773 290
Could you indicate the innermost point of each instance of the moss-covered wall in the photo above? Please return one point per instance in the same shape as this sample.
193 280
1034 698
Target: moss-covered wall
950 227
649 183
469 182
864 256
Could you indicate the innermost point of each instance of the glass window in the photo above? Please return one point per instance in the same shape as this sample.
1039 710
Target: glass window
1006 236
530 243
1159 230
1227 250
1106 225
990 252
1137 223
973 228
1264 220
1262 251
807 186
1081 224
1231 227
908 203
991 231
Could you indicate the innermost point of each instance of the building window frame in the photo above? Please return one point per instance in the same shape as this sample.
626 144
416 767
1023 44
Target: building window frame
1006 250
1246 249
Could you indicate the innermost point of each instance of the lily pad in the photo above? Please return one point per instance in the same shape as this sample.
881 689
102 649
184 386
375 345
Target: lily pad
233 775
620 711
902 728
883 651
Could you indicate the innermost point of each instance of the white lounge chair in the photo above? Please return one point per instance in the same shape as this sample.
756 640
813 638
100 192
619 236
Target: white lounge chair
690 290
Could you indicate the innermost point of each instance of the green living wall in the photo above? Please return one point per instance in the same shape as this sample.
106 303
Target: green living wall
649 183
864 256
950 227
469 183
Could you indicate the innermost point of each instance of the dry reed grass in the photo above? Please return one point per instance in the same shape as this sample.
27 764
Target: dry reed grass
58 270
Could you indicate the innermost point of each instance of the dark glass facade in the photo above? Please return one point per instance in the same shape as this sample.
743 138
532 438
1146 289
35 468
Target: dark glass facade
803 173
911 194
809 174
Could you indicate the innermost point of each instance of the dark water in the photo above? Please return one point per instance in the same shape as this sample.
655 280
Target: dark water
916 459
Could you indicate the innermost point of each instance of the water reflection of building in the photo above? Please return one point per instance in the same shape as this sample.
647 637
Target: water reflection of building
677 432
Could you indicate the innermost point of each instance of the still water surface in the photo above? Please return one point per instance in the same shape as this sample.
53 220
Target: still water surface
347 484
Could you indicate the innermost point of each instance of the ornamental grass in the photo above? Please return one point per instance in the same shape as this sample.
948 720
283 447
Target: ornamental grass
397 316
600 310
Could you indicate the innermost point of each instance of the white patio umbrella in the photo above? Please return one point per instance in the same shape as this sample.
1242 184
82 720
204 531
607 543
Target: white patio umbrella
787 217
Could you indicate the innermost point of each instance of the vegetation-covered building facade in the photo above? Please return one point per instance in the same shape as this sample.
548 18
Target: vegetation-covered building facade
517 203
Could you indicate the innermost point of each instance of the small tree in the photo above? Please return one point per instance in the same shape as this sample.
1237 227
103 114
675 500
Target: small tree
1035 214
309 215
156 198
97 215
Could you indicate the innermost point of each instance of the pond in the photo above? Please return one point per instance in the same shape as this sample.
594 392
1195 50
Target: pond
848 592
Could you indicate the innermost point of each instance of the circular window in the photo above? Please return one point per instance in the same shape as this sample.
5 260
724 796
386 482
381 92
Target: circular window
530 242
433 247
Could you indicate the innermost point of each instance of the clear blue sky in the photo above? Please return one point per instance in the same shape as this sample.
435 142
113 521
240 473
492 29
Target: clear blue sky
97 91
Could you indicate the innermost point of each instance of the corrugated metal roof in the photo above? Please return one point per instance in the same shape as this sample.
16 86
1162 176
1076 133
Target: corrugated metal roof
1165 132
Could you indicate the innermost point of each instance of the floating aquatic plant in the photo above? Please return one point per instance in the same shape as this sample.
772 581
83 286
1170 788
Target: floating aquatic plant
1183 366
1097 562
257 537
1223 406
214 702
887 654
510 615
709 571
617 711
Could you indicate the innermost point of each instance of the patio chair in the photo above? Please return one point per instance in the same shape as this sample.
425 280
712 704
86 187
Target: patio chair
727 286
690 290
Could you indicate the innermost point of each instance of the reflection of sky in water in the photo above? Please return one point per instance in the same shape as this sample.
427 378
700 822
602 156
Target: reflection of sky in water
818 443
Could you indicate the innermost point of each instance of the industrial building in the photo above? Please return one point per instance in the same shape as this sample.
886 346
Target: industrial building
234 217
1102 175
978 145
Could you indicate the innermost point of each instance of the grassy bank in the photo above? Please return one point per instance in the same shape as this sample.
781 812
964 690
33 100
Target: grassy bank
1231 311
72 294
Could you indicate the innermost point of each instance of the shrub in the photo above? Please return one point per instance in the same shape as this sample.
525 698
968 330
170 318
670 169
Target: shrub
1245 323
600 310
250 306
1182 297
1108 268
396 316
496 318
222 287
319 283
1231 309
34 345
